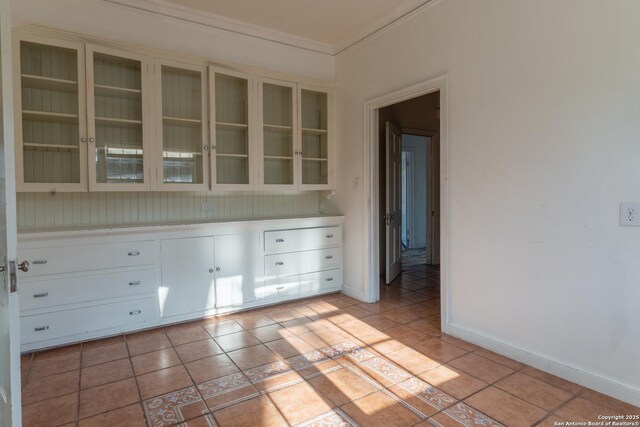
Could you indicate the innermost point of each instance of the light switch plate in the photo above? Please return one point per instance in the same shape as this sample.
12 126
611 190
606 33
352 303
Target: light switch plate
207 206
630 214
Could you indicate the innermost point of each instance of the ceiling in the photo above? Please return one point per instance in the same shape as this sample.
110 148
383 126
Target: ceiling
334 23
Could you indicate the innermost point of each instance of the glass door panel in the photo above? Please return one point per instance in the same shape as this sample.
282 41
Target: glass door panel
278 133
232 151
117 113
183 143
314 144
51 97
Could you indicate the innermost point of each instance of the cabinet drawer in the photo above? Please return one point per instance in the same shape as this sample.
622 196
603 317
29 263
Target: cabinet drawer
301 239
71 290
64 323
280 288
314 283
67 259
302 262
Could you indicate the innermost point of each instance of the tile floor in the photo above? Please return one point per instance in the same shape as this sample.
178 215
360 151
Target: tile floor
327 361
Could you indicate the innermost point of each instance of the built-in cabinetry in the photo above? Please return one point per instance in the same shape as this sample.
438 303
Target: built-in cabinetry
84 285
96 118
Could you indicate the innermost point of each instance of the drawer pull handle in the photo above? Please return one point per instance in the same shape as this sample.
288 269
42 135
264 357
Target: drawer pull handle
41 328
279 263
134 253
329 236
279 288
329 257
136 283
329 279
279 240
42 295
135 312
39 262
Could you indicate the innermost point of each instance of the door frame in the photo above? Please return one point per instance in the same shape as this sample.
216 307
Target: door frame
408 201
371 245
431 154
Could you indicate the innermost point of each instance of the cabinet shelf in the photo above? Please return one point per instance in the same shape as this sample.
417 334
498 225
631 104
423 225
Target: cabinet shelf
278 158
314 131
180 121
49 116
41 82
226 125
278 127
312 159
53 146
116 91
109 121
239 156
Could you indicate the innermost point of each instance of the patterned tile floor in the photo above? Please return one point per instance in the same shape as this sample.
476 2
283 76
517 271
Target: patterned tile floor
327 361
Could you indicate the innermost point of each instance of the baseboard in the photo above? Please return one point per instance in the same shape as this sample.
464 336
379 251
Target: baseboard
596 382
354 293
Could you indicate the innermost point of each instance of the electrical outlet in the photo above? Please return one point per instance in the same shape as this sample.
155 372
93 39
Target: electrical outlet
207 206
630 214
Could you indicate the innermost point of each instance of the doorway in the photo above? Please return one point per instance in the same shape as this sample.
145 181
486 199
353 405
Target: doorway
375 158
414 125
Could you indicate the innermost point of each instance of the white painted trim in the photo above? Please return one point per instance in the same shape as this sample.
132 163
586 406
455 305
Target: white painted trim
592 380
353 292
371 186
200 17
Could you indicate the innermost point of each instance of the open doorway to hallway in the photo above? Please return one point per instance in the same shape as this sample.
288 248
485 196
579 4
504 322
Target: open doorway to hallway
410 190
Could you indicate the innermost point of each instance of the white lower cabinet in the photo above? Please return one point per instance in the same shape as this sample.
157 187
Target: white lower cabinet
86 285
187 283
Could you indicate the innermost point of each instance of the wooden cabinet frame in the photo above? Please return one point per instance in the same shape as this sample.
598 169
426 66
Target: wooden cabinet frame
159 129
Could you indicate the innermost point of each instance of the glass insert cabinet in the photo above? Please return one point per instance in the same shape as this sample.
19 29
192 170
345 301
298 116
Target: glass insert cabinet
95 118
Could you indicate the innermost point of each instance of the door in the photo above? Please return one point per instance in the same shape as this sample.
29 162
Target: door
236 262
10 414
187 283
393 211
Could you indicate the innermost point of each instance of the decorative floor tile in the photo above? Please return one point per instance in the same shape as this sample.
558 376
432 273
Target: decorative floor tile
174 407
423 397
470 417
204 421
267 371
307 359
227 390
387 370
333 418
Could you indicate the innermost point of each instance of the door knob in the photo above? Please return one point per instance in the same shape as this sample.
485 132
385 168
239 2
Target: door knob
24 266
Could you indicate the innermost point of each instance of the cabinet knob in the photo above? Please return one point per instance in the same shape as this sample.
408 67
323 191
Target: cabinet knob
217 268
206 147
83 139
92 139
211 270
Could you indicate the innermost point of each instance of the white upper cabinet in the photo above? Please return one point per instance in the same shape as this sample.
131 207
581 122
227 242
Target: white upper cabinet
50 123
314 159
278 115
93 118
181 127
232 99
118 120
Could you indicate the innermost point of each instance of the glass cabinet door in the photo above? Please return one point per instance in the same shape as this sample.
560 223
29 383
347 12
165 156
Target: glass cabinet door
314 144
278 134
117 115
231 154
51 127
182 128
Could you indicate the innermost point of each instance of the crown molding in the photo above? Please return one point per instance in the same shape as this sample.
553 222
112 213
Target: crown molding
166 9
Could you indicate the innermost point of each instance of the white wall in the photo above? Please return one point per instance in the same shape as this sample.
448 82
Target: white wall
128 25
418 146
543 126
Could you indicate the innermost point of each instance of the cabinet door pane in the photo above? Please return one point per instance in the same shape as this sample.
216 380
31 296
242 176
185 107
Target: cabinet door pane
50 97
232 129
117 90
278 133
315 149
182 139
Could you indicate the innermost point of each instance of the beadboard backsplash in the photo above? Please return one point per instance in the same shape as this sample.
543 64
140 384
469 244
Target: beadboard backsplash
46 210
